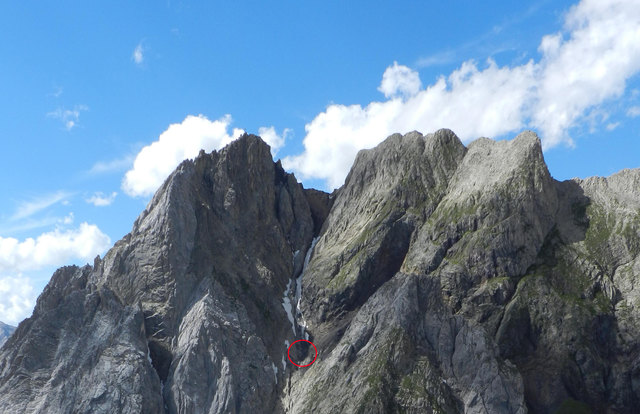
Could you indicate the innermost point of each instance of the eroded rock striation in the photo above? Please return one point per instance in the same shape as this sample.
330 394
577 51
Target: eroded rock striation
439 278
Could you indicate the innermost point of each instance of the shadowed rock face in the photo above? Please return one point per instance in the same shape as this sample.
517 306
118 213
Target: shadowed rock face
439 278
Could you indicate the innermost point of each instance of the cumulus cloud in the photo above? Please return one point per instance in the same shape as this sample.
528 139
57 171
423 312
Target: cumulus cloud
68 219
17 298
180 141
271 137
399 80
587 64
68 117
470 100
154 163
19 258
138 54
99 199
580 68
53 248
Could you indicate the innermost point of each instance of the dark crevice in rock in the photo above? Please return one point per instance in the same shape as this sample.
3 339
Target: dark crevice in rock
280 176
320 204
377 268
161 358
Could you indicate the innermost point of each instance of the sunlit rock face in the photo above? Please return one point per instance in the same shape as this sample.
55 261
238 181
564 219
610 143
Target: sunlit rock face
438 278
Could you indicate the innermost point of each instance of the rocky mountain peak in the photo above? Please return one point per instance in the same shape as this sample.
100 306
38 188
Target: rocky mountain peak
439 278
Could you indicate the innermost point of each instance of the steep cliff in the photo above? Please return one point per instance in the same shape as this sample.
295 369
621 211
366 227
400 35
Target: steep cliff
439 278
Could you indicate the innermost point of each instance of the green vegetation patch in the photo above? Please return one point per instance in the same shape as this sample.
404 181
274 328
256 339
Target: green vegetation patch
571 406
380 375
416 387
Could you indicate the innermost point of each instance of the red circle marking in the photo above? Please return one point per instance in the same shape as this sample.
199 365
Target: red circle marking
310 363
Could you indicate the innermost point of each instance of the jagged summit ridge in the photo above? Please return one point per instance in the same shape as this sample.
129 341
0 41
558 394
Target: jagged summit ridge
441 278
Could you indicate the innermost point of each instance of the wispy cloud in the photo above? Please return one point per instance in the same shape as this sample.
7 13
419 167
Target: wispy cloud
633 112
99 199
57 91
613 125
68 117
28 208
111 166
32 224
28 224
483 44
138 54
438 59
516 19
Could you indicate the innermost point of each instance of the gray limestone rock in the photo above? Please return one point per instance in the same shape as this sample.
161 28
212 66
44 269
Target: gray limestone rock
5 332
83 350
439 279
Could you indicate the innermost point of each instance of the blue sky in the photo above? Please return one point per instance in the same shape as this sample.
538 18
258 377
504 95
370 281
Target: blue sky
99 103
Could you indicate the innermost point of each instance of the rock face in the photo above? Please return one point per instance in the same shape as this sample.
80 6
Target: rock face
439 278
5 332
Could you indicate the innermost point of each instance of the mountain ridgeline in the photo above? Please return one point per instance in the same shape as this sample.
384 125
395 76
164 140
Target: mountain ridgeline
438 279
5 332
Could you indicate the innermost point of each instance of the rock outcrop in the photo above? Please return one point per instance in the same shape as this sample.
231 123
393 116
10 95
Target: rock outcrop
439 278
5 332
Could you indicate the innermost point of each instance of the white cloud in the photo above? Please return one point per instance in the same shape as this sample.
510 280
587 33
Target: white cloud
180 141
437 59
52 248
580 68
99 199
28 208
612 125
469 101
68 117
271 137
68 219
633 112
399 80
29 224
17 299
138 54
586 66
